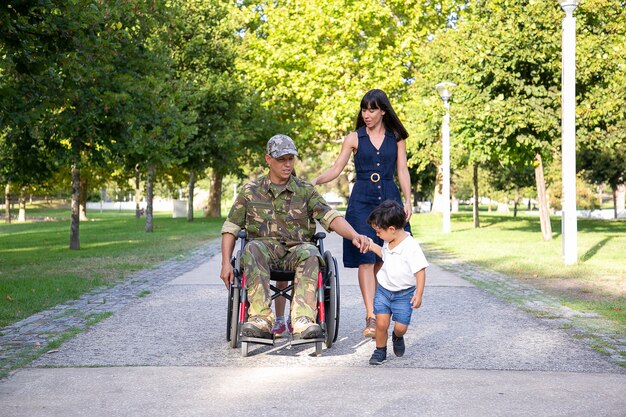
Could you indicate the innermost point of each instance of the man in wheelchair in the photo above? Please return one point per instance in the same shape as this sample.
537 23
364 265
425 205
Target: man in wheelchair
278 211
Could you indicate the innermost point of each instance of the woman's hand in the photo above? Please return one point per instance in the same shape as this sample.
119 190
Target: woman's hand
408 210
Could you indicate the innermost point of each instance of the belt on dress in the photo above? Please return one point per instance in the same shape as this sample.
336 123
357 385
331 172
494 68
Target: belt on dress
374 177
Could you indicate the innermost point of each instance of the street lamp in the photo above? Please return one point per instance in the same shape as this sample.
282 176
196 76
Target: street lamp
568 133
445 91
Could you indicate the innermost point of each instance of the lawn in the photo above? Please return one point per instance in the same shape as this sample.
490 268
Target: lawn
38 271
514 246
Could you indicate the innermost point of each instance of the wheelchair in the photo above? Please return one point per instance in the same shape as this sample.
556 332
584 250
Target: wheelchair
327 300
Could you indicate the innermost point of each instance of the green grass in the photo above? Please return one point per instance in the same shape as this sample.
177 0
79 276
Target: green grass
39 271
514 246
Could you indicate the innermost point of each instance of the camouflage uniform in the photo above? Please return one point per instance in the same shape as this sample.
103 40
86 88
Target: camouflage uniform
280 222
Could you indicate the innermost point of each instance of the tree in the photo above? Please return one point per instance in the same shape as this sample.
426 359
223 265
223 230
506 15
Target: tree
601 76
504 56
311 62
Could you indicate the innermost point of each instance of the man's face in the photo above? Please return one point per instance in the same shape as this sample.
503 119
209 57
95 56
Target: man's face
280 168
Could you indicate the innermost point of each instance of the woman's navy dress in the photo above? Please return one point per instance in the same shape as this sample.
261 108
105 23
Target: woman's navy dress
375 171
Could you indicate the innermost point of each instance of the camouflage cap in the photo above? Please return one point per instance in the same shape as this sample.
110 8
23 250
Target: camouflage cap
280 145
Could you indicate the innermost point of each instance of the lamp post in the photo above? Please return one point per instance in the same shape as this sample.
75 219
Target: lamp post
568 133
445 91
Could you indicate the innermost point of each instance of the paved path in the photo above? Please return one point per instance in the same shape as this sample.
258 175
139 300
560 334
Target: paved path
468 354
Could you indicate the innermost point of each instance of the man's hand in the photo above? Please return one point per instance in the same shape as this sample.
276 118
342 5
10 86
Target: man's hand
362 242
227 275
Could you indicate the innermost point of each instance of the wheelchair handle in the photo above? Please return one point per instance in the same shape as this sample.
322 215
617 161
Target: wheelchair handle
243 235
319 238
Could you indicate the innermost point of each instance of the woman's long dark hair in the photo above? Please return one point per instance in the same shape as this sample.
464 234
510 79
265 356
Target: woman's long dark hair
377 99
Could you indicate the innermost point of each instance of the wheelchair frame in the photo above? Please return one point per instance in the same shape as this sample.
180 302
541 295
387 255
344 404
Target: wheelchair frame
327 300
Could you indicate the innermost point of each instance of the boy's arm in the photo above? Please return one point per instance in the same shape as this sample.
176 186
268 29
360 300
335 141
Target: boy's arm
420 283
375 248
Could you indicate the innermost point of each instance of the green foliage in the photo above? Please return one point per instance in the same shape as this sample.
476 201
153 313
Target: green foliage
312 62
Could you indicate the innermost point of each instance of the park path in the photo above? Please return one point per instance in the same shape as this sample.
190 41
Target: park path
468 354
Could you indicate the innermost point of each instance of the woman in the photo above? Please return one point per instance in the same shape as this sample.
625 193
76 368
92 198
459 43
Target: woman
379 150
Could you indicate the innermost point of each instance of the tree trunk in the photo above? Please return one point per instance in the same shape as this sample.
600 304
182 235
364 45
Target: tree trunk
21 217
475 210
192 185
621 197
437 205
516 202
544 213
75 215
614 189
83 199
7 203
137 191
215 195
149 198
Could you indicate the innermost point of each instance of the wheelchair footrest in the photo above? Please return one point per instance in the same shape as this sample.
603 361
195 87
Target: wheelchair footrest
304 341
259 340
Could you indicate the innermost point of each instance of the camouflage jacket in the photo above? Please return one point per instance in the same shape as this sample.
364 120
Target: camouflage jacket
285 213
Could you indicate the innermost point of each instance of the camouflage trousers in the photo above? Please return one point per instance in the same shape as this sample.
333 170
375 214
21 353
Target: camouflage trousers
259 256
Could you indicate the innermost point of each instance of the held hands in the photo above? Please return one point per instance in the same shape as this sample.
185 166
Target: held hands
226 274
362 242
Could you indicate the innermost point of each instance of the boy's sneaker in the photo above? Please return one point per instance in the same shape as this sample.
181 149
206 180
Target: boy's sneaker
280 327
379 356
256 327
398 344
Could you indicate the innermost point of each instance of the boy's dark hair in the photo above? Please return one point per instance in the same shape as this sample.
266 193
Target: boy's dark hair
388 213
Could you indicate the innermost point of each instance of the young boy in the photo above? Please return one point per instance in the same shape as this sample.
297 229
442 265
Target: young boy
401 279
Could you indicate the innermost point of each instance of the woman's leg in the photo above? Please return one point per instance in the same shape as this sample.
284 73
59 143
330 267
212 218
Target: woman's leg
367 283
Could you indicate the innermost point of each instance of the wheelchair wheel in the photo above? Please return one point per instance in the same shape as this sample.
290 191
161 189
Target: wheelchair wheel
331 299
229 312
233 317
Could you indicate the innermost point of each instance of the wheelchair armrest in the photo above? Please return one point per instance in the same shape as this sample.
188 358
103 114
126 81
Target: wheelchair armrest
319 236
242 234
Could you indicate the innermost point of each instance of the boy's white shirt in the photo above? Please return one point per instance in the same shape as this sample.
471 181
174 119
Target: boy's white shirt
400 264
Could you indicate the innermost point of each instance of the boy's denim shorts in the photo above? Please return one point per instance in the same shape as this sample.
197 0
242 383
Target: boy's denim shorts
396 303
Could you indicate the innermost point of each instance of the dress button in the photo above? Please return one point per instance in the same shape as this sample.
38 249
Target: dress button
379 186
377 164
380 198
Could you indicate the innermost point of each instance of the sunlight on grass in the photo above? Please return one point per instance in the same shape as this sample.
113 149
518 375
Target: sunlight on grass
514 246
38 270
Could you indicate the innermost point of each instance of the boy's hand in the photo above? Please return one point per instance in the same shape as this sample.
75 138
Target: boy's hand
362 242
416 301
